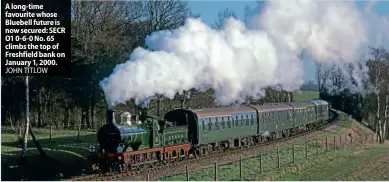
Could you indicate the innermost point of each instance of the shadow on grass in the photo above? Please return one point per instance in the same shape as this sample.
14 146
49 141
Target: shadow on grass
66 157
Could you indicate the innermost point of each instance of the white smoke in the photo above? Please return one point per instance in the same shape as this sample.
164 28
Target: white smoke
237 61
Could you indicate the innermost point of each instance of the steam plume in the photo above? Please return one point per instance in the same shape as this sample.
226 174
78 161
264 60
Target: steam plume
241 59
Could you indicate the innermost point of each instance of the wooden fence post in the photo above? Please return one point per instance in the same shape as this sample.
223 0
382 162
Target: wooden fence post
293 154
306 149
216 171
372 137
240 168
326 143
334 142
187 173
340 141
260 162
278 158
317 147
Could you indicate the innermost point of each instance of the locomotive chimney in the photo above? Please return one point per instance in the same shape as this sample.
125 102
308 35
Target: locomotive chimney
111 116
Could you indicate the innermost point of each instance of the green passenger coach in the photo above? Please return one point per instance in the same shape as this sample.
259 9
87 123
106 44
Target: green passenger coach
223 125
321 109
212 129
273 119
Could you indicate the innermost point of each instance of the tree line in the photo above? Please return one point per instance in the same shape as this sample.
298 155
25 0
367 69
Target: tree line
369 106
103 35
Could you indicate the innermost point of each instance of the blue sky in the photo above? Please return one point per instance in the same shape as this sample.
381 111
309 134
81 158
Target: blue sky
208 13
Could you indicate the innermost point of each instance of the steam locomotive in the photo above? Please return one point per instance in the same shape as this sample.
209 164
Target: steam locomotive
184 133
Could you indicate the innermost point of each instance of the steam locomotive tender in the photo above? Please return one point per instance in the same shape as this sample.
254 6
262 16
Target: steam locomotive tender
184 133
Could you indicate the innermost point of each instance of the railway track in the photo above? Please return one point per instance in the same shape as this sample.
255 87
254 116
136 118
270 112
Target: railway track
176 167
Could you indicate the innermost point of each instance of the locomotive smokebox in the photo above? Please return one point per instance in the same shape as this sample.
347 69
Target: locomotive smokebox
111 117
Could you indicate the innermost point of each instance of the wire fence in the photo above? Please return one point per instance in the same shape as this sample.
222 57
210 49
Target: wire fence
274 160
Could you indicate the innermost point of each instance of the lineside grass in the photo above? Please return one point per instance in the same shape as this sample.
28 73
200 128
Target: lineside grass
342 166
251 169
66 153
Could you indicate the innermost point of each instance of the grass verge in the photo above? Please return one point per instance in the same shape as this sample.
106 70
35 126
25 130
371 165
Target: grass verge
66 155
307 155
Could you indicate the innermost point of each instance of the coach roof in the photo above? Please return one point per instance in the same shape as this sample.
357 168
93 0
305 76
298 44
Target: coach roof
302 104
272 107
222 111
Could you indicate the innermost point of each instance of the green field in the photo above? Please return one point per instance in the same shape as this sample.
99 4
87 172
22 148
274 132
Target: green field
305 95
66 154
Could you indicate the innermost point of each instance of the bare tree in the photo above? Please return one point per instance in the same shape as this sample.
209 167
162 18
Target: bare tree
323 73
169 14
380 67
24 148
222 16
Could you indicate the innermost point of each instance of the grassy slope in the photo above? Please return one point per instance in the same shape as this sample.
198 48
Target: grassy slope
67 156
340 167
318 166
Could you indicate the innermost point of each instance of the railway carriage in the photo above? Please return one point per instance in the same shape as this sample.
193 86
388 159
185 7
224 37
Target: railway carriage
321 109
274 119
218 128
304 115
183 132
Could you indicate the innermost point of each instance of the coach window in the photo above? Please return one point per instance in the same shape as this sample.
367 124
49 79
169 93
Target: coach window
268 119
217 123
228 122
264 117
242 121
223 123
247 120
236 121
203 120
209 124
268 116
252 119
287 115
